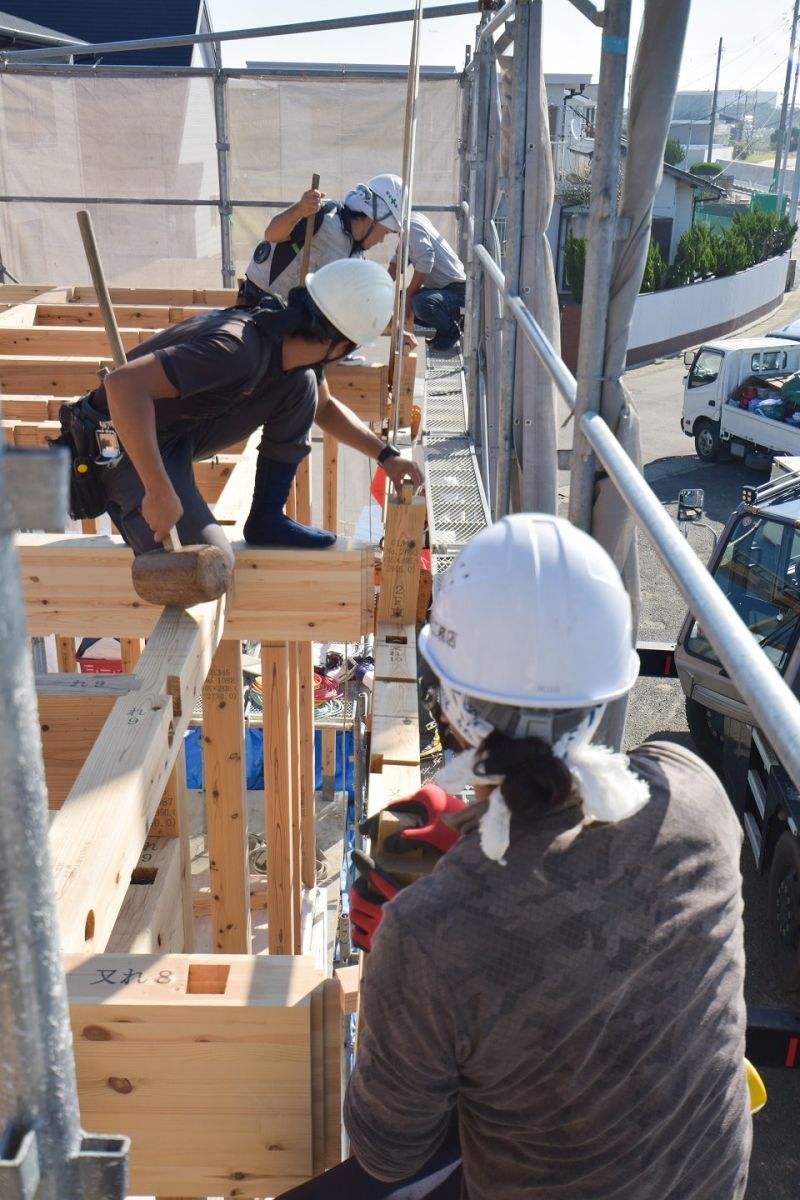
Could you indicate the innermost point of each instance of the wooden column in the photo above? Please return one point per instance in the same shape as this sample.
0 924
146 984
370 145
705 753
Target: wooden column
226 800
130 652
405 522
328 762
172 821
330 486
308 816
294 771
281 883
303 491
65 654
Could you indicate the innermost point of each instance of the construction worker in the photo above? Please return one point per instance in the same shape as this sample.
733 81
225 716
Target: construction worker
341 230
202 385
436 291
567 984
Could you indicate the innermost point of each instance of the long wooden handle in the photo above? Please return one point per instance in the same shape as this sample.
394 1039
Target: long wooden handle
172 541
101 291
305 260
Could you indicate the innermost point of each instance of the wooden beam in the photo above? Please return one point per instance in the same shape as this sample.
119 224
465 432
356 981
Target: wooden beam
51 376
226 801
294 752
139 316
75 584
151 920
205 1060
69 728
63 341
65 654
72 683
172 821
96 838
281 881
130 652
396 652
307 805
405 523
395 722
363 387
207 297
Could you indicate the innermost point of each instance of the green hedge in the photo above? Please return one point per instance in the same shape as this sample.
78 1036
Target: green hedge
706 168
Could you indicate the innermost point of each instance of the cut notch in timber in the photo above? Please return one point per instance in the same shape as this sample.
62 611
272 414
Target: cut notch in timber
207 979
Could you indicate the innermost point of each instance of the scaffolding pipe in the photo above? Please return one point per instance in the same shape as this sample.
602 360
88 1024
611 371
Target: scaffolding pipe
38 1091
475 309
775 707
232 35
223 147
513 251
600 251
500 17
409 142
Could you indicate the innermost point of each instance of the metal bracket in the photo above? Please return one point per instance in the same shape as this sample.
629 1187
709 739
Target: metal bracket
37 483
20 1175
101 1165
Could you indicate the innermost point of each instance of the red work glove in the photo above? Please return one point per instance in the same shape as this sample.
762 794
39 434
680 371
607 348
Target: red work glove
427 806
369 893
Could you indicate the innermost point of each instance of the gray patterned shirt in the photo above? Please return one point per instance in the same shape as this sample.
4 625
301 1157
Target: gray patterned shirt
580 1008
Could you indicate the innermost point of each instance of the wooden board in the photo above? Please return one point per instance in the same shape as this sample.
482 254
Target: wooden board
206 1062
50 376
282 881
64 342
396 652
69 727
75 584
405 523
395 722
208 297
363 387
138 316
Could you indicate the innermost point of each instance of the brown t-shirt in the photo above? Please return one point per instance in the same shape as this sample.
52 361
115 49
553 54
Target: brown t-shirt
216 360
581 1008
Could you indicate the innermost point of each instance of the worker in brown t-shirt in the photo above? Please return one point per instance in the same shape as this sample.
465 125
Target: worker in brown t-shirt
567 985
200 386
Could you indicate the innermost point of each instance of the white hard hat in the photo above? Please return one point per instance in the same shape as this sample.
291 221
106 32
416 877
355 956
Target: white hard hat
357 297
533 613
389 188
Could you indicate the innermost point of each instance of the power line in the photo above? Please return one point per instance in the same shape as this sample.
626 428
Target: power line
783 27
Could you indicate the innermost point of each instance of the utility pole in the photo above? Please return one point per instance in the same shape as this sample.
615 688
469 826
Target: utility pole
785 106
787 143
714 104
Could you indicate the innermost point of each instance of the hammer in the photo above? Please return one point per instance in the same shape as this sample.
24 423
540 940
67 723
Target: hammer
184 575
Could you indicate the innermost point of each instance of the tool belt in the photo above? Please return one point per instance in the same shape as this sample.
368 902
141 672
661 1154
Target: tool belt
80 424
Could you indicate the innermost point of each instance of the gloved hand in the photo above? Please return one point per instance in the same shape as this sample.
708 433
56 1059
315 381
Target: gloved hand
369 893
427 807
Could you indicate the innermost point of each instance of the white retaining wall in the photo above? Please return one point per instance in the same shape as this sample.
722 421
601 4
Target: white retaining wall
689 314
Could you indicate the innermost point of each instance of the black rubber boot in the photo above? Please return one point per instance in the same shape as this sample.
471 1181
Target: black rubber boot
267 524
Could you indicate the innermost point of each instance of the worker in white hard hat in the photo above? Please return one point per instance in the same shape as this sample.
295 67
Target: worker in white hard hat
205 384
343 229
567 984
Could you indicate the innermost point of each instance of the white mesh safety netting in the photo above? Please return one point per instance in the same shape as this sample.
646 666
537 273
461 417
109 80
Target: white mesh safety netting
114 136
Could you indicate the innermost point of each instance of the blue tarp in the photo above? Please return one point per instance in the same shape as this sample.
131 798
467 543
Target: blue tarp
254 749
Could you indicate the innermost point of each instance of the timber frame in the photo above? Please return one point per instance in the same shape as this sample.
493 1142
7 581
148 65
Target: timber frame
225 1068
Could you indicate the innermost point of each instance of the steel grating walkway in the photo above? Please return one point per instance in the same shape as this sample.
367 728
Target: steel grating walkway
457 507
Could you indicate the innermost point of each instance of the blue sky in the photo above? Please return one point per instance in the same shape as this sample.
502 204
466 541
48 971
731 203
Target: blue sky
754 53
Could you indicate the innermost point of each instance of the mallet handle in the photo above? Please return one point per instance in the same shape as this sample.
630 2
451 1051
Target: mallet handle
305 260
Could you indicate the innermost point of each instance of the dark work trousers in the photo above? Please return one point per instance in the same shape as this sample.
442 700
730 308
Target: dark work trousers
440 308
440 1179
286 412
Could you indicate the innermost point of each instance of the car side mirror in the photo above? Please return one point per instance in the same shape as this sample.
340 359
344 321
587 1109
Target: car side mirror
688 358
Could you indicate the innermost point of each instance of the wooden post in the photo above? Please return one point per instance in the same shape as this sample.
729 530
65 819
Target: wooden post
307 807
328 762
303 491
278 797
65 654
294 768
405 521
330 486
226 800
130 652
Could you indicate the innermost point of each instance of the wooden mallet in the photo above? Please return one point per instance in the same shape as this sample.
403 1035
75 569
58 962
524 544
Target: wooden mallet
184 575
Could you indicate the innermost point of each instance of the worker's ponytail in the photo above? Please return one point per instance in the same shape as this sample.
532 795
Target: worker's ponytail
532 776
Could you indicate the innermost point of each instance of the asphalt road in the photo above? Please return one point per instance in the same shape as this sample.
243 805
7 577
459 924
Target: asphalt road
656 710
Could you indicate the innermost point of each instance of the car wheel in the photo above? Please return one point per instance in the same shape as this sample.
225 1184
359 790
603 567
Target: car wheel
784 911
706 441
706 729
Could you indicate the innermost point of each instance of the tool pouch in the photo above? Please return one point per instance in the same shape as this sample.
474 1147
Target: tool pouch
87 497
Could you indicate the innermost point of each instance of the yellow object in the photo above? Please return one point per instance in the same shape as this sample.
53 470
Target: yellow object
82 468
755 1087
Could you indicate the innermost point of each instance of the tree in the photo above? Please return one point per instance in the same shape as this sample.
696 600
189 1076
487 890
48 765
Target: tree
654 269
705 168
575 266
673 152
696 256
794 137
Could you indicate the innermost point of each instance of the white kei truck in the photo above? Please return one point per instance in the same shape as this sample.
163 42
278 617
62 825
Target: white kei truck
731 398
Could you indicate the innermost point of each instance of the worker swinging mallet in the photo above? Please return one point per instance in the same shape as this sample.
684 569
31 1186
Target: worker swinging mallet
184 575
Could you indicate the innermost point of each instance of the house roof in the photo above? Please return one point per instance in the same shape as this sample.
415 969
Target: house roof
710 190
16 31
125 20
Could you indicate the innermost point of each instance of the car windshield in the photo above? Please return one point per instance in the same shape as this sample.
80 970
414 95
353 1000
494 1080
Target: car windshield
758 572
705 368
